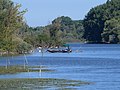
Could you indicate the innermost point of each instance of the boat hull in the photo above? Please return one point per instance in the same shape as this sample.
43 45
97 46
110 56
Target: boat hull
60 51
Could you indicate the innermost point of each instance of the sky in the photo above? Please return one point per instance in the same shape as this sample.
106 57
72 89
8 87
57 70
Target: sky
42 12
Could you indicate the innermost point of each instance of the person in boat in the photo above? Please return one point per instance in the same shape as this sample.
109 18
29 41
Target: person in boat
54 50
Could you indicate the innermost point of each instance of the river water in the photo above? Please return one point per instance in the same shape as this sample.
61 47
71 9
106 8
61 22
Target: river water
96 63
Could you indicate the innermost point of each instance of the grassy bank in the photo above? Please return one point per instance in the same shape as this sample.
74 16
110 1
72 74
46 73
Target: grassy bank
39 83
18 69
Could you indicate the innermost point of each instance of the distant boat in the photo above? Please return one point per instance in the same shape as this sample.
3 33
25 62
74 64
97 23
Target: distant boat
60 50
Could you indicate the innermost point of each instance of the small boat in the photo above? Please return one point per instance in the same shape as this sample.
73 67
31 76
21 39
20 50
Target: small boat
59 50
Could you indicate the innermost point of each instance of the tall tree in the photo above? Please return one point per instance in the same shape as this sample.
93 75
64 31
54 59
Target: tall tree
111 31
96 18
11 20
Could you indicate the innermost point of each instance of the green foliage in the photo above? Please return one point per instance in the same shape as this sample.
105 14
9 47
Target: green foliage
23 47
101 24
40 84
67 29
16 36
43 40
111 31
11 19
97 20
63 29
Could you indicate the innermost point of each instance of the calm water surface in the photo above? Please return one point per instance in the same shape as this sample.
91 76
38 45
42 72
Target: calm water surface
97 63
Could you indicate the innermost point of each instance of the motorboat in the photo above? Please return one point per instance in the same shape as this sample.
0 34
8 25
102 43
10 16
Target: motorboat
59 50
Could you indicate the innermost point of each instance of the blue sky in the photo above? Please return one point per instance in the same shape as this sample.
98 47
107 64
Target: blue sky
42 12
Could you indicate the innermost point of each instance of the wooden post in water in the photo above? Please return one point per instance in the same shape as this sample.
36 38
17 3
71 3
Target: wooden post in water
40 71
6 64
7 61
25 61
42 52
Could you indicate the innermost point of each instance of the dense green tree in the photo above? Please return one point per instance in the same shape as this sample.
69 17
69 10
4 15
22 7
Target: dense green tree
111 31
11 20
63 29
94 22
67 29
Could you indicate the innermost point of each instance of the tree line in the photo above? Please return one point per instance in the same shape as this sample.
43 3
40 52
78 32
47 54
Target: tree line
100 25
62 29
11 20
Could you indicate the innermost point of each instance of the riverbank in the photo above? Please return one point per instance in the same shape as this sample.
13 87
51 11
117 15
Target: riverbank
39 83
19 69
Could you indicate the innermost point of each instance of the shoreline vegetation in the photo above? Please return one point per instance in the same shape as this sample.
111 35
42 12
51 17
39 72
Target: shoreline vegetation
40 83
35 83
20 69
100 25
